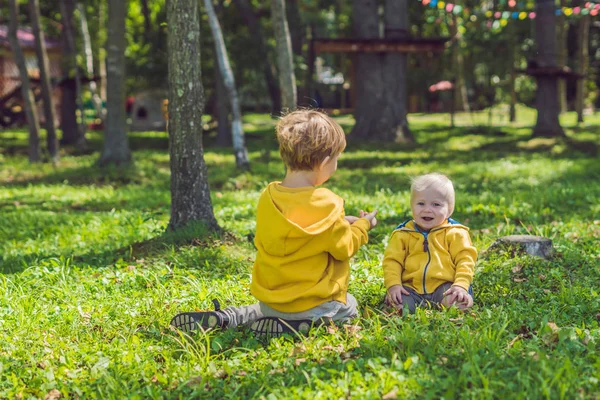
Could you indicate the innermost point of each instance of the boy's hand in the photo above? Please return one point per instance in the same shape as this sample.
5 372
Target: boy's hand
369 217
394 296
458 296
351 218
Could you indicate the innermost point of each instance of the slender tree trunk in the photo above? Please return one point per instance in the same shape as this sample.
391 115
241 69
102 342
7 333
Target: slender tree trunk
512 82
547 124
28 99
190 194
562 30
102 50
237 132
261 48
395 70
380 83
116 144
458 66
89 61
295 25
147 20
222 110
42 57
287 77
73 133
582 64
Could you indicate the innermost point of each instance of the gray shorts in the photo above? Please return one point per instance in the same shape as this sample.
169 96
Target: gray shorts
332 309
335 310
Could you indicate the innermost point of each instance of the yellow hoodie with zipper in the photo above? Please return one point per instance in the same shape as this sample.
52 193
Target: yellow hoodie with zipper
304 248
426 260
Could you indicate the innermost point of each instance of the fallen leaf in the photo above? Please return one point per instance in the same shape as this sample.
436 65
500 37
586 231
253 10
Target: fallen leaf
242 373
328 347
300 361
553 326
517 268
331 329
352 329
542 277
513 341
298 349
54 394
391 395
195 380
519 280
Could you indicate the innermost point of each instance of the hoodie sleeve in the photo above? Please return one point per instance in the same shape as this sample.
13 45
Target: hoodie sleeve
346 239
393 261
463 255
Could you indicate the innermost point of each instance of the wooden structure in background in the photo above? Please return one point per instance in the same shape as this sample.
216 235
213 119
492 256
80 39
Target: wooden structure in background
352 46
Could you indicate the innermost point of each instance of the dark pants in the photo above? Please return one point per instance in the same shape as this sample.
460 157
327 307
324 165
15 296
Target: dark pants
430 300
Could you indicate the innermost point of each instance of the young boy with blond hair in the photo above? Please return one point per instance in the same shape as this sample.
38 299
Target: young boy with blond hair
304 240
430 259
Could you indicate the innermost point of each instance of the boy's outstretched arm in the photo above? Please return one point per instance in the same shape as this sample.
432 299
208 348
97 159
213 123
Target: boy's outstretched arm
347 239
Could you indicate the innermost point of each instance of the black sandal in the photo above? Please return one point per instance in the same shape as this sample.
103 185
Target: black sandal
205 320
275 327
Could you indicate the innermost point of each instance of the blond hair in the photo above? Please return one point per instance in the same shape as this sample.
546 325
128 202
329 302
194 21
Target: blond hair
307 137
436 180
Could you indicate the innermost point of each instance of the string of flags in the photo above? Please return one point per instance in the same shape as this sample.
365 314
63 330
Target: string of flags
519 11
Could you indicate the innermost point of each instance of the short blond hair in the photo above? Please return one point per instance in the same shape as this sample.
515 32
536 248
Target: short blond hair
307 137
438 181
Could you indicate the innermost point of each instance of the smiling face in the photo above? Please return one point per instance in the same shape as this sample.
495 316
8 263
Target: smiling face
430 208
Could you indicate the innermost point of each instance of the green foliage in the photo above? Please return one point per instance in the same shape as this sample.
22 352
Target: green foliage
90 278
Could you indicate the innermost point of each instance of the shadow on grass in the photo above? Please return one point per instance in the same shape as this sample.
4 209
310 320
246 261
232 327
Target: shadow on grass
194 235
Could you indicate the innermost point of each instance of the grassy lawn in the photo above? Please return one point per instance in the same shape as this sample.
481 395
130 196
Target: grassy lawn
89 279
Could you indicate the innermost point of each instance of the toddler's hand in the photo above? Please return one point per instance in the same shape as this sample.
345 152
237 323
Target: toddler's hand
351 218
369 217
459 297
394 296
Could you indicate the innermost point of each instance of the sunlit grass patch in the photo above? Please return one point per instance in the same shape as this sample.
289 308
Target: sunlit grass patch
90 276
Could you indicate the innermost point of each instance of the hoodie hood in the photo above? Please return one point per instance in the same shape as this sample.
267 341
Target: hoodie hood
296 216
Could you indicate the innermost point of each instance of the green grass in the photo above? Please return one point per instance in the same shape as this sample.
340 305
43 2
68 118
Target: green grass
89 279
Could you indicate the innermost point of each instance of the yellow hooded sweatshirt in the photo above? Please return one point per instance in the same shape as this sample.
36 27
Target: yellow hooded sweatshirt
304 247
426 260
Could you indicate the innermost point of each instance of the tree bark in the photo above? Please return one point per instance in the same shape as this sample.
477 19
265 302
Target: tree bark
28 99
237 132
582 65
102 50
147 20
73 133
547 124
42 57
461 101
190 193
380 84
562 30
287 77
116 144
512 83
89 61
261 48
222 109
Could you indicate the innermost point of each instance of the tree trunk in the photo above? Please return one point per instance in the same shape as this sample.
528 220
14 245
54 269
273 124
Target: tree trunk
222 109
512 84
582 65
190 194
116 144
28 99
461 102
102 50
295 25
73 133
147 20
89 61
380 84
287 77
562 30
237 132
261 48
546 101
395 69
42 57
